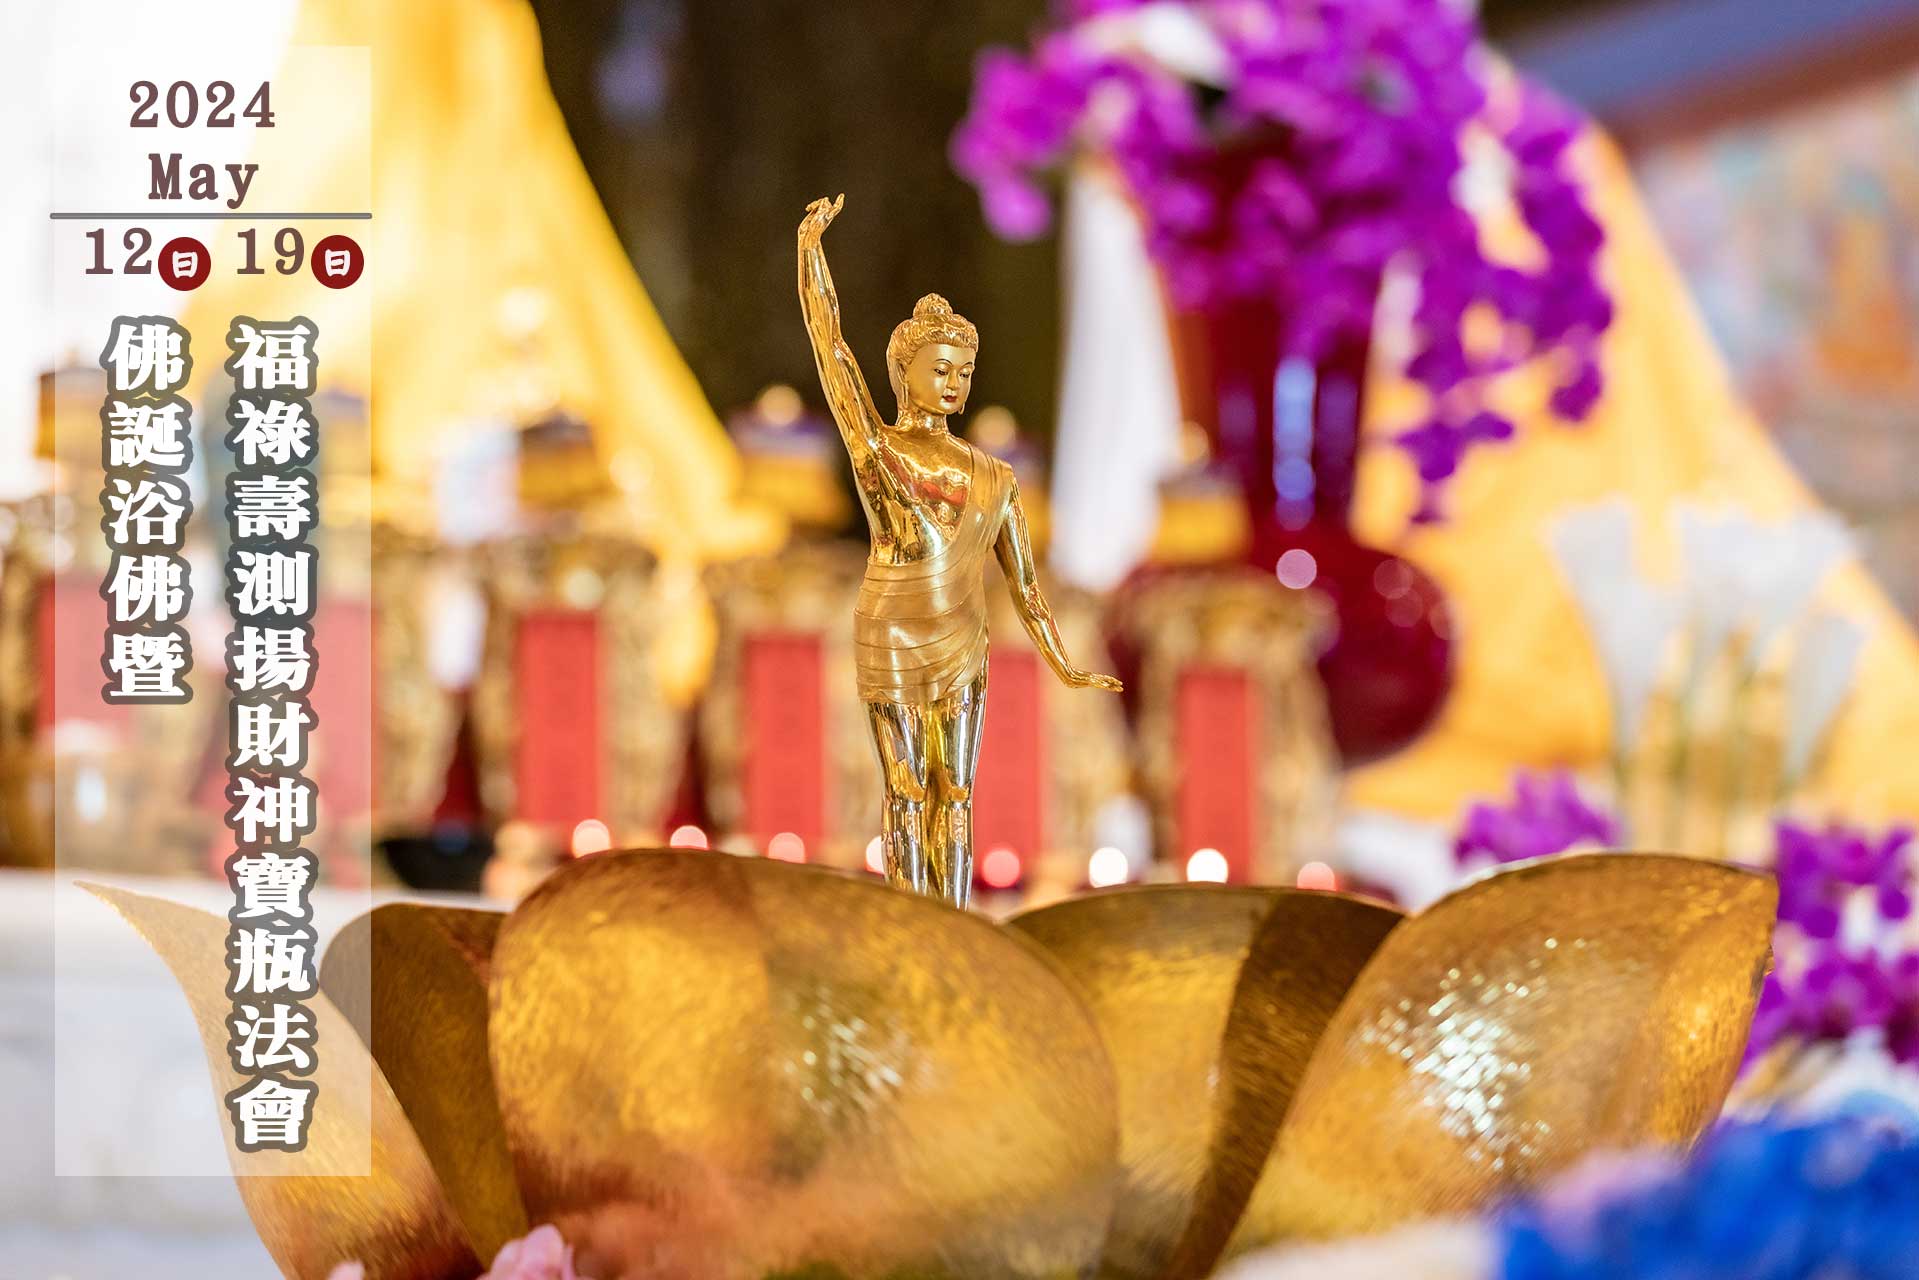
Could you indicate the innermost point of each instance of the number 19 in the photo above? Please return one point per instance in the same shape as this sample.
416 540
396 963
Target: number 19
290 252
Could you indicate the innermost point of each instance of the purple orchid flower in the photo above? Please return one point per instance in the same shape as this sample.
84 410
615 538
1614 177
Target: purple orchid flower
1547 815
1819 870
1331 150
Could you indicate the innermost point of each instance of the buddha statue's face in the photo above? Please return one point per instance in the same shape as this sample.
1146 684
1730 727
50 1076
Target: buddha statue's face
939 377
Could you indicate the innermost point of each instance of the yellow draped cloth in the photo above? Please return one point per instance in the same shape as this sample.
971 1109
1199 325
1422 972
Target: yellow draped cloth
1529 689
479 199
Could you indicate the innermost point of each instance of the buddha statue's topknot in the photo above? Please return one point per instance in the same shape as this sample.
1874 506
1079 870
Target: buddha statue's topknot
934 320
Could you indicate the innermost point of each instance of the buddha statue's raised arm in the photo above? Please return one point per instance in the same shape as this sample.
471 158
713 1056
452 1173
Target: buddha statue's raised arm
1015 551
840 377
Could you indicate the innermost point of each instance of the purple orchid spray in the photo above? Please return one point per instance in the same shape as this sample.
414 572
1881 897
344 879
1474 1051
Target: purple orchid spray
1843 891
1547 815
1293 151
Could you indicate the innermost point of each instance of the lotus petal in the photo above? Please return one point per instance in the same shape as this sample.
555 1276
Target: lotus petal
382 1206
412 981
716 1067
1577 1004
1210 1000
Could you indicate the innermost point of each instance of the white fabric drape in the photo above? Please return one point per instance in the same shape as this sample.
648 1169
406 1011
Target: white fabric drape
1118 429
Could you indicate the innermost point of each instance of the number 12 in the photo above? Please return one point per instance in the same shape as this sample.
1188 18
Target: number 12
138 242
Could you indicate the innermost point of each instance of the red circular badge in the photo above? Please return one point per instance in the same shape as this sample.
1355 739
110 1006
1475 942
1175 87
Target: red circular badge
185 263
337 261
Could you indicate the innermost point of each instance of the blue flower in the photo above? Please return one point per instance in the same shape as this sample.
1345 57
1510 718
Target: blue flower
1835 1200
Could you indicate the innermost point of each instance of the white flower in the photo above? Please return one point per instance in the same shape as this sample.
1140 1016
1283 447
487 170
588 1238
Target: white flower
1785 569
1716 549
1634 631
1632 621
1818 680
1744 576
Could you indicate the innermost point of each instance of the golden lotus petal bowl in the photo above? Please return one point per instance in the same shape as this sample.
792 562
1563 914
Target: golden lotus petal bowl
701 1067
1210 1000
721 1067
1567 1006
422 1011
383 1206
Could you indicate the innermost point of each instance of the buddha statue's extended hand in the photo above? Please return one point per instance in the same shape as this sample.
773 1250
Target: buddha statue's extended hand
819 216
1093 680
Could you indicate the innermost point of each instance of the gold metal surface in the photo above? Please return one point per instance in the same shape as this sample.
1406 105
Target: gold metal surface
643 734
382 1206
1299 967
934 506
25 575
1239 620
416 720
716 1067
804 589
412 980
713 1068
1087 751
1577 1004
1210 1000
122 799
26 764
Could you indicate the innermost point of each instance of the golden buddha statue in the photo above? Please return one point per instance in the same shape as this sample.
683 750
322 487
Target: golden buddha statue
934 505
